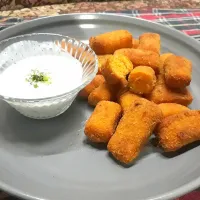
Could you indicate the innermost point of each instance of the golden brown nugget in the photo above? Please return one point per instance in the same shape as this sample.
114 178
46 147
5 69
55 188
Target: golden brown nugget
135 43
172 108
119 89
134 130
103 121
140 57
120 92
163 58
103 92
162 94
178 72
141 80
116 69
127 99
169 109
150 41
108 43
102 61
96 82
179 130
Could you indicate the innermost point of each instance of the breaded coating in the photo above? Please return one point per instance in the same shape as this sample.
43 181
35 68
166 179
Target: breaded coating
134 130
103 92
102 62
178 72
141 57
135 43
150 41
141 80
116 69
96 82
127 99
108 43
179 130
172 108
103 121
162 94
120 89
120 92
163 58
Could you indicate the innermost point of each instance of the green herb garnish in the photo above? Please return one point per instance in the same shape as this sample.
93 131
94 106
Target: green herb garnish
36 77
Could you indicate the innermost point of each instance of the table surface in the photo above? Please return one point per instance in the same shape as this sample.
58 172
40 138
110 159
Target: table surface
95 7
185 20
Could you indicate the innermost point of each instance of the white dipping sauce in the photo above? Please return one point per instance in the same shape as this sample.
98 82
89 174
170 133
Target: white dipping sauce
65 73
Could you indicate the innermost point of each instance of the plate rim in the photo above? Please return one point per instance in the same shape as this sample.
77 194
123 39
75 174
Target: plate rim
190 186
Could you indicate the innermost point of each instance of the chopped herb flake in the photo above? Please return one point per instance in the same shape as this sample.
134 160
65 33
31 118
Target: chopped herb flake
36 77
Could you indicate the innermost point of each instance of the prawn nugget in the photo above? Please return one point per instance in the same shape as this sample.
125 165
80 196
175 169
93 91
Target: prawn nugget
172 108
103 121
140 57
108 43
177 72
96 82
102 61
162 94
179 130
116 69
134 130
135 43
127 99
150 41
163 58
103 92
142 80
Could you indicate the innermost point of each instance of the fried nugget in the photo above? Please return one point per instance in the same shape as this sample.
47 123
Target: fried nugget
178 72
134 130
163 58
135 43
141 80
96 82
116 69
140 57
102 61
108 43
150 41
162 94
172 108
126 99
179 130
103 121
121 92
103 92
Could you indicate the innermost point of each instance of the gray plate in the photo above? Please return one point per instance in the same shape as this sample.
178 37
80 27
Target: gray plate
53 160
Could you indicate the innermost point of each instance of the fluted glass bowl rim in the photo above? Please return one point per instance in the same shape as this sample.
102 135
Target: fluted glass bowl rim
63 95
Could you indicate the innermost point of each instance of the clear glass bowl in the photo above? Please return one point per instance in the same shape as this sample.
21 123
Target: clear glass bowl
17 48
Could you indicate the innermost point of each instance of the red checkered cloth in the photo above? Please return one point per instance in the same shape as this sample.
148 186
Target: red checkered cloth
185 20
